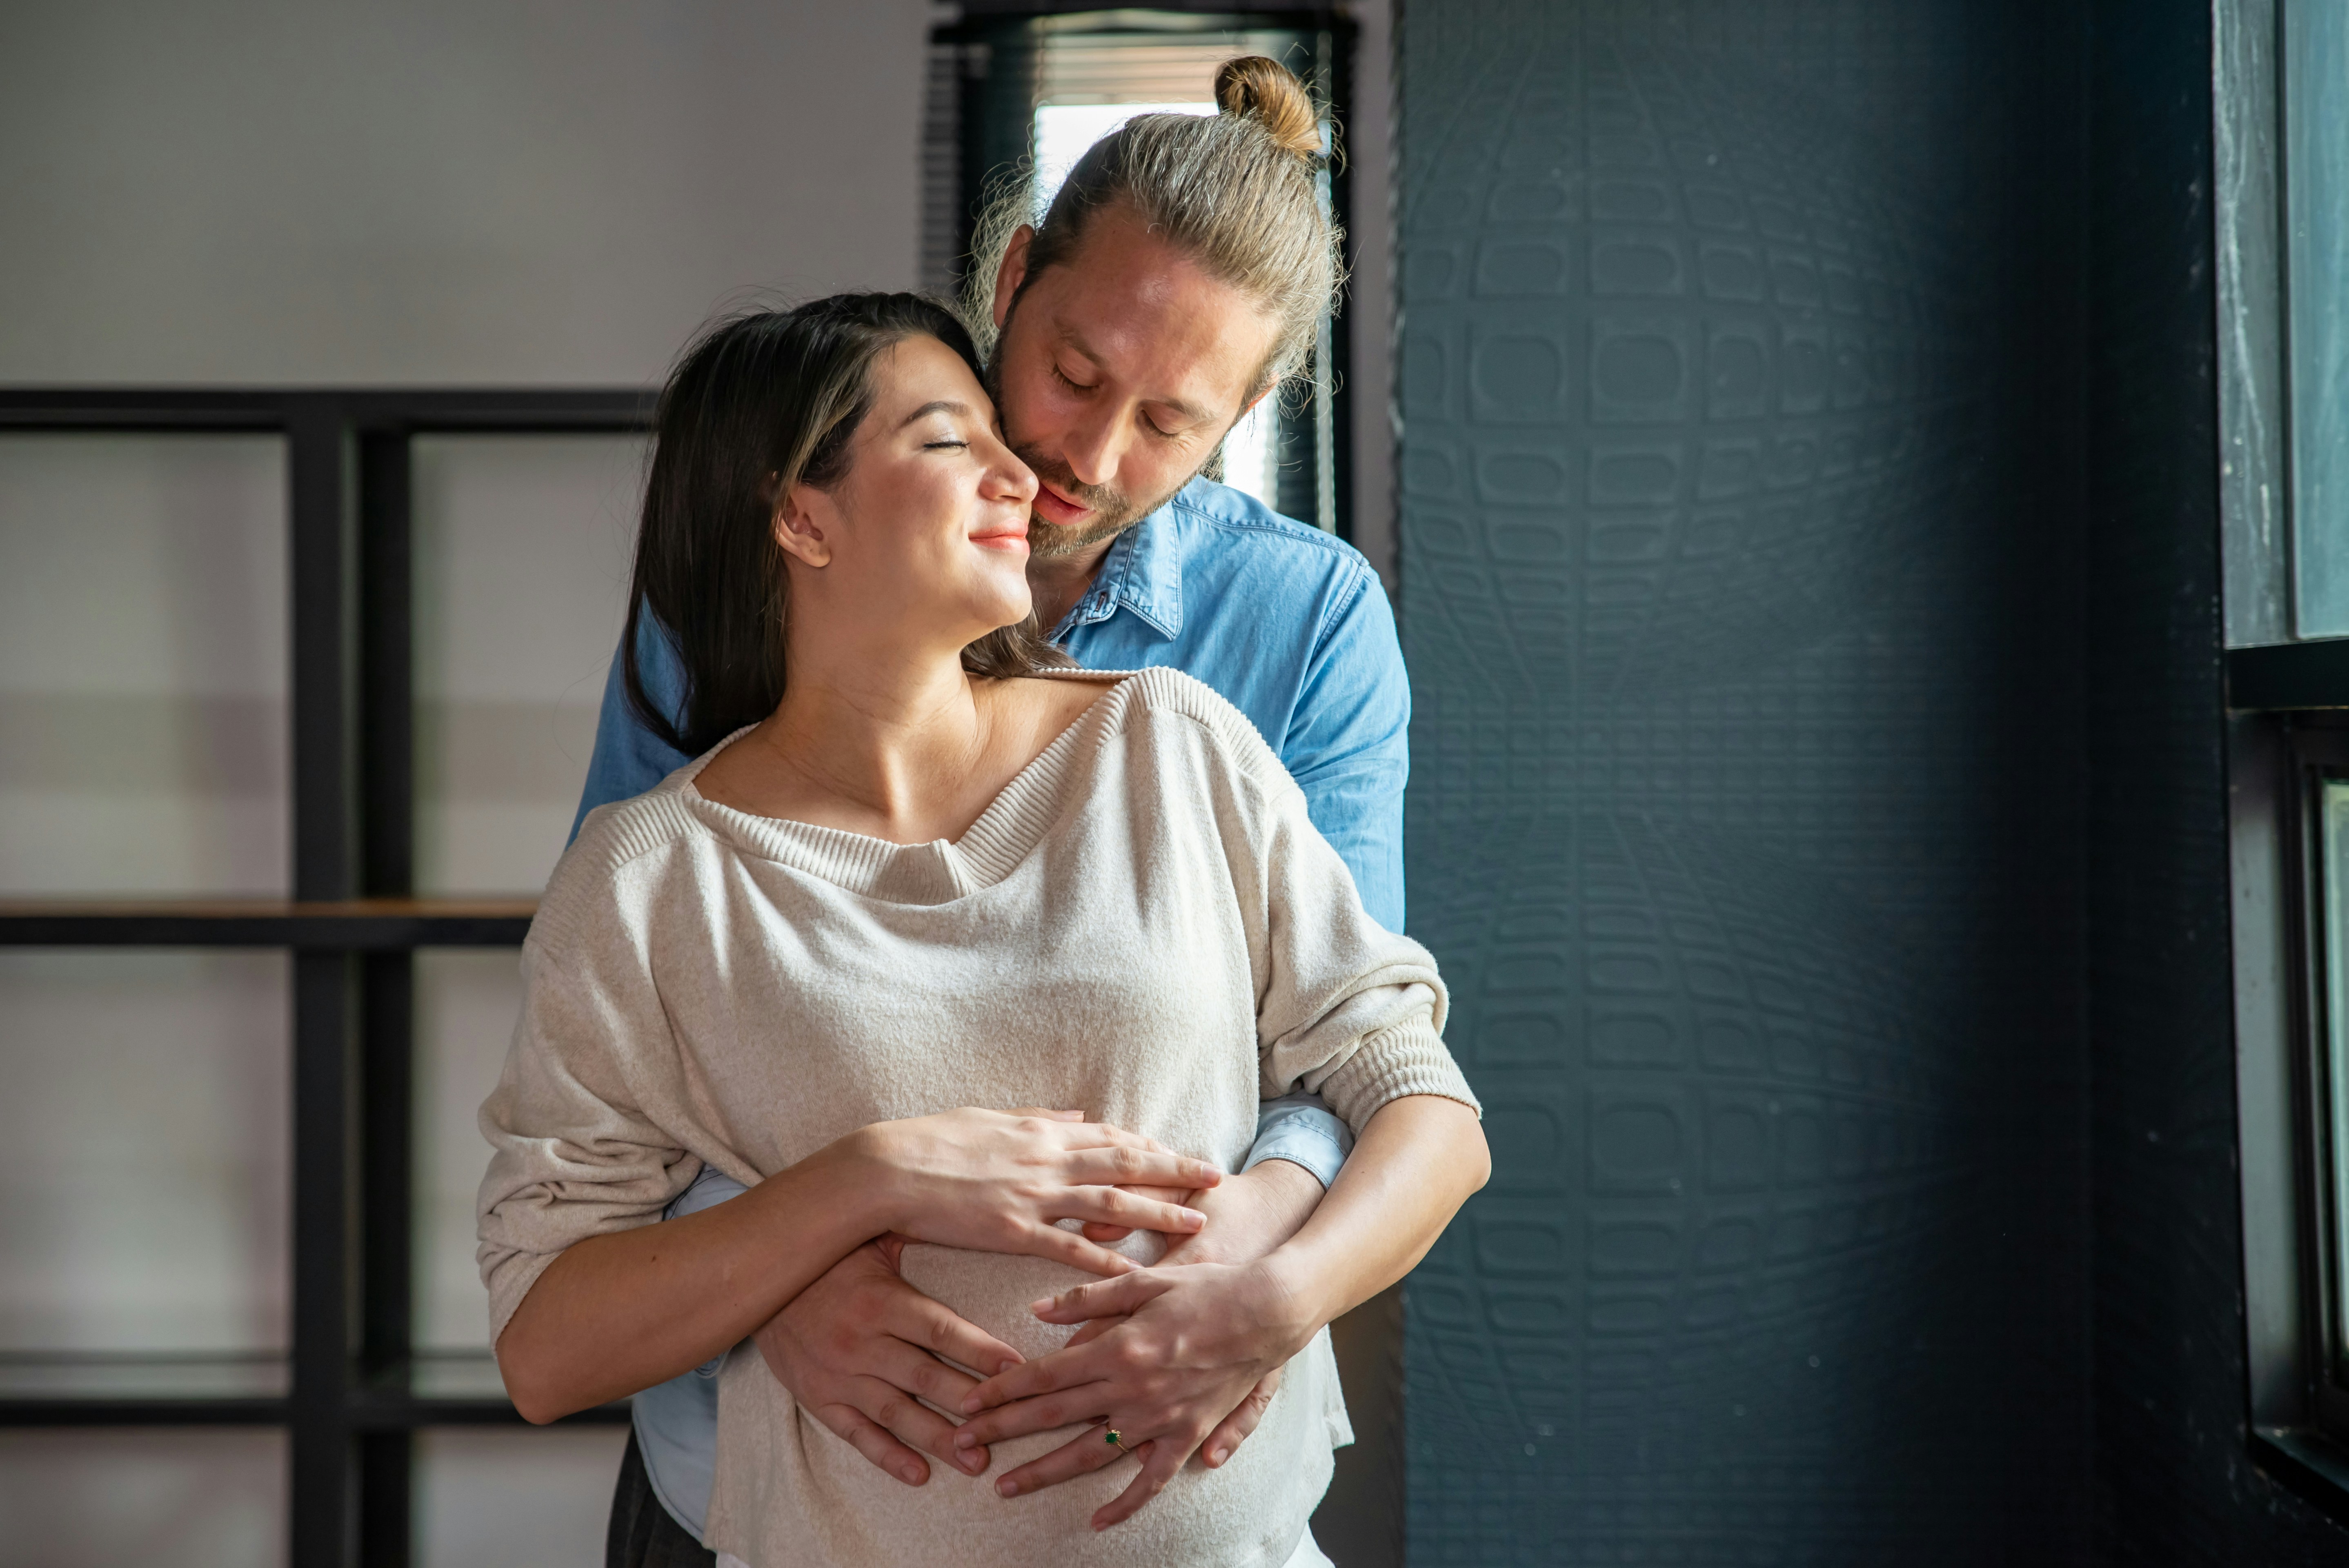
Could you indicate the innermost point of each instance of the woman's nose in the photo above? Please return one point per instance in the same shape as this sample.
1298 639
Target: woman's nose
1013 479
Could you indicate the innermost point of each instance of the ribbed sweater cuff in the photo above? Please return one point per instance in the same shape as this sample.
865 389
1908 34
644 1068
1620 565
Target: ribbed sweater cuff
1410 1058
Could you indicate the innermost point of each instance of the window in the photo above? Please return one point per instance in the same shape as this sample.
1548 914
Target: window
2282 155
1037 89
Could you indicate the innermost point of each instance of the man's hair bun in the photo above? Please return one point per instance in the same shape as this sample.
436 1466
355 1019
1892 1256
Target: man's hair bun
1254 87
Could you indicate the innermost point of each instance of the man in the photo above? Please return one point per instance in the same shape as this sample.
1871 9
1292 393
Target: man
1175 280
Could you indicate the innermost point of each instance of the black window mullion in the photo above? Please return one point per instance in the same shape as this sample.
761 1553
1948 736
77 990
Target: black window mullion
386 984
324 562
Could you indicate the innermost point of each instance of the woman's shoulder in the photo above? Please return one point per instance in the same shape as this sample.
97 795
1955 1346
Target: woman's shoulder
617 843
1161 694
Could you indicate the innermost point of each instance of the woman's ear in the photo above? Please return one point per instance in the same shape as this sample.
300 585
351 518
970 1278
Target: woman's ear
797 531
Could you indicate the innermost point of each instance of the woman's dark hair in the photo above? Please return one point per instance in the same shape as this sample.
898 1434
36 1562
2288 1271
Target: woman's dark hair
759 403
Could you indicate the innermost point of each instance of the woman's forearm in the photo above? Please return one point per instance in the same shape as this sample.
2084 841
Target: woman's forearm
1416 1162
615 1313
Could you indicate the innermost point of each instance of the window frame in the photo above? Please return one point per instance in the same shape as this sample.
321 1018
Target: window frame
985 65
2287 721
2316 747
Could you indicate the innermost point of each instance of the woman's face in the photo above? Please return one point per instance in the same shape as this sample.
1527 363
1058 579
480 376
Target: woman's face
925 534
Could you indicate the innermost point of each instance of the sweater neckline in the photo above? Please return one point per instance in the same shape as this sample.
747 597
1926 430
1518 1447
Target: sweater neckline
941 870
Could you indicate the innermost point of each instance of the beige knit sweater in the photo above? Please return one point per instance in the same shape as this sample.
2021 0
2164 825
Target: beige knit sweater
1143 924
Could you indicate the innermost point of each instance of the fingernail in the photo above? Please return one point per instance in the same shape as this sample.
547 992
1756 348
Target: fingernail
1002 1366
910 1476
969 1408
1006 1489
1217 1457
1041 1306
972 1462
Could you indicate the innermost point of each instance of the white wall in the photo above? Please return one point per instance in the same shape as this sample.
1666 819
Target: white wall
328 191
331 193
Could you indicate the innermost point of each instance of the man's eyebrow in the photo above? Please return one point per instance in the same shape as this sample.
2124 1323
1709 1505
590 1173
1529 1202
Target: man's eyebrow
941 406
1188 410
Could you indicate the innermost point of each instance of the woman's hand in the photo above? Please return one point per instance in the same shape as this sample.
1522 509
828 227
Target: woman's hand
999 1181
1194 1344
1247 1217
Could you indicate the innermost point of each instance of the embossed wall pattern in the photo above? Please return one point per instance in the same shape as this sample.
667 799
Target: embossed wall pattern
1733 586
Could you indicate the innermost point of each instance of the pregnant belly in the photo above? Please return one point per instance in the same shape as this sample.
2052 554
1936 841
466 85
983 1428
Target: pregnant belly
823 1503
994 1291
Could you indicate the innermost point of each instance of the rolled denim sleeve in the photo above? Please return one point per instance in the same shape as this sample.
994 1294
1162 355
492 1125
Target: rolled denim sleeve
1303 1131
629 758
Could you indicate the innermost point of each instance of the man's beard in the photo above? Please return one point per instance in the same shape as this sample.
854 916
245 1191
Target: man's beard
1112 513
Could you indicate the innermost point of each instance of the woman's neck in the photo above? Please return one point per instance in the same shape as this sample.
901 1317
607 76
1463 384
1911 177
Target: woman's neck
879 741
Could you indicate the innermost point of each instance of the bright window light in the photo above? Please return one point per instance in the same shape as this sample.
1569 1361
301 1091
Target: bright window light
1064 131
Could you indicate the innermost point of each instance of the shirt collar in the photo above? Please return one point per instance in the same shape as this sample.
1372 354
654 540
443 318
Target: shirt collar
1141 572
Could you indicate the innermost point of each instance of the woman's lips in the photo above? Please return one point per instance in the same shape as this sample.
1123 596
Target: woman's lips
1058 508
1005 536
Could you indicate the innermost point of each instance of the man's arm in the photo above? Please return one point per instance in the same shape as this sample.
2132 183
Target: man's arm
1349 743
629 758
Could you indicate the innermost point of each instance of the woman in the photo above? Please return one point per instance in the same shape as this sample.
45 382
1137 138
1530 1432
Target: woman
917 868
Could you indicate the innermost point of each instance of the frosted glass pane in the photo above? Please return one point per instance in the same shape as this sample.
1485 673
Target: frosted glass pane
2316 200
118 1499
466 1004
142 664
2333 871
145 1116
522 569
531 1499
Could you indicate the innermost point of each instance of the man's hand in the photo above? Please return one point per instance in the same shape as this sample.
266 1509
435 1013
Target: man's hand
856 1347
1248 1216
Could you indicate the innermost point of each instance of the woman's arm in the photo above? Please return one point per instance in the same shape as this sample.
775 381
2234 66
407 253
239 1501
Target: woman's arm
622 1311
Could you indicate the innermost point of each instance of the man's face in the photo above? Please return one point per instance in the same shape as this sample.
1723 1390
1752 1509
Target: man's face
1117 376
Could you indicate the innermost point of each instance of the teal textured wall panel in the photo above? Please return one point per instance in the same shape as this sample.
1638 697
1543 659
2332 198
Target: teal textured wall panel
1739 561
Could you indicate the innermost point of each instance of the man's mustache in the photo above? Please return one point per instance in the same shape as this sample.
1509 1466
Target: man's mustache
1106 500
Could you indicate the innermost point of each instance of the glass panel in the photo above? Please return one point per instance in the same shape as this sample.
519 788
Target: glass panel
2332 832
142 664
466 1005
2316 204
146 1120
531 1499
456 1375
1063 133
135 1375
521 570
1090 84
102 1499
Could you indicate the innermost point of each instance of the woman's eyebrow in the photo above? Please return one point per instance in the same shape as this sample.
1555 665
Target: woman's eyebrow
941 406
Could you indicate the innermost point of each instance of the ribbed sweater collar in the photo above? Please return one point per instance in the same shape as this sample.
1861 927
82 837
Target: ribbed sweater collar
936 872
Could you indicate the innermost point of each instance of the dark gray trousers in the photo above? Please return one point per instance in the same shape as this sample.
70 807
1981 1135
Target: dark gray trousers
642 1534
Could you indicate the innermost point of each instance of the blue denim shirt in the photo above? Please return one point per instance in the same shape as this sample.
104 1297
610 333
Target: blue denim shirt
1292 627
